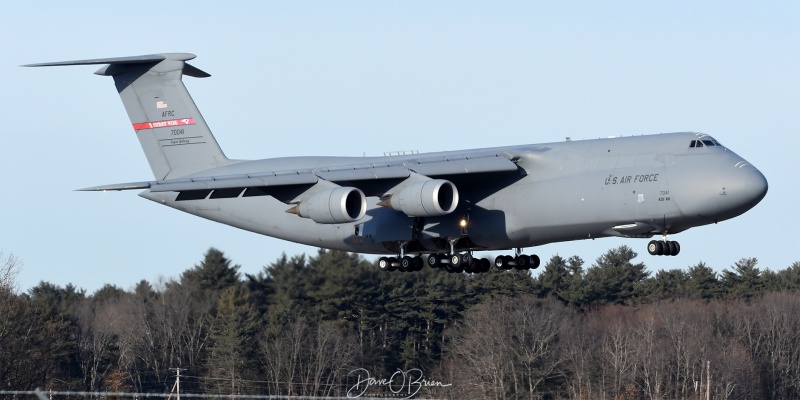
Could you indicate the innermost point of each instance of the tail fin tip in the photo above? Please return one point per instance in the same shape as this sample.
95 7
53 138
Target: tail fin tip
174 136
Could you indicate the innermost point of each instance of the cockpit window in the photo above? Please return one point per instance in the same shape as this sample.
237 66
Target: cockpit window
704 142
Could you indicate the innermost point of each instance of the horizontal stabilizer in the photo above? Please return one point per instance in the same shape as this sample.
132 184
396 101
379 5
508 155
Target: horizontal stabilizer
118 186
114 60
150 58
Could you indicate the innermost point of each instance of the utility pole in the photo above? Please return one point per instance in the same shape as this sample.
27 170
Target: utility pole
178 381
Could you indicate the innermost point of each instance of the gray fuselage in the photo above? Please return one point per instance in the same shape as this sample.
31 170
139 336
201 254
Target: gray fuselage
629 186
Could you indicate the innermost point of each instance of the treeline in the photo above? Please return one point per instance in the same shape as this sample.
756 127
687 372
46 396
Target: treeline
319 325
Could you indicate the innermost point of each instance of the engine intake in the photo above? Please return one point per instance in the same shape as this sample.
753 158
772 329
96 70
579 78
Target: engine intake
334 206
430 198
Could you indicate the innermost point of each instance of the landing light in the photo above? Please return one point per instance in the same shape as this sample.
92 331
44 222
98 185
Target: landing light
462 223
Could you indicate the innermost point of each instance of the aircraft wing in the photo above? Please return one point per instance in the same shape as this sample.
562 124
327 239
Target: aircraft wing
224 186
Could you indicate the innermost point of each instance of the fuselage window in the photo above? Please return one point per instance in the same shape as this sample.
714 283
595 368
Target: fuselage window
694 142
708 143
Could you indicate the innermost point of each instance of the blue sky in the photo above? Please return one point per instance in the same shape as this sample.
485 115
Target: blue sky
355 78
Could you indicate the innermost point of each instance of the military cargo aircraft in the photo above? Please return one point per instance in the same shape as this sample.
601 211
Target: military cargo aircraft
443 205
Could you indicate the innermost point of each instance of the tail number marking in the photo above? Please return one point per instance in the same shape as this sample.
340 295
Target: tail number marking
163 124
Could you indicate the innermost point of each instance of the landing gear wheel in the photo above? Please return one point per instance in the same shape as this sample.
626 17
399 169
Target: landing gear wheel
523 262
455 260
418 264
466 258
454 269
657 248
434 260
484 264
500 262
677 248
385 264
469 267
407 264
669 248
535 261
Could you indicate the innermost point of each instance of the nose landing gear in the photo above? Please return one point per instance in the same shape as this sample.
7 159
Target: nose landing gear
663 247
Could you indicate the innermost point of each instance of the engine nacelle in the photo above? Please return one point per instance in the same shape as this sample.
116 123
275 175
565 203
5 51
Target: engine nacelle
334 206
429 198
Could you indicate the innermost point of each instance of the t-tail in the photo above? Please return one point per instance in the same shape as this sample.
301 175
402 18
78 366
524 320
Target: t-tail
173 134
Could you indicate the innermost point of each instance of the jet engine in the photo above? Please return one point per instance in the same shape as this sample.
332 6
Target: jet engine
333 206
429 198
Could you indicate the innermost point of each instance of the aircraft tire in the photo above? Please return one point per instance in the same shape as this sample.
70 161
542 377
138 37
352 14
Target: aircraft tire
418 263
469 267
669 248
486 265
466 259
509 260
407 264
652 248
434 260
500 262
677 248
385 264
455 259
535 261
454 269
523 262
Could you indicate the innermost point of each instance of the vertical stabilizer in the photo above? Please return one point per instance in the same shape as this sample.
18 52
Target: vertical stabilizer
173 134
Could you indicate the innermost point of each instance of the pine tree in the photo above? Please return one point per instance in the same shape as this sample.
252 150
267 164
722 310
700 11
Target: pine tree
213 273
745 281
614 278
554 280
668 284
790 277
287 283
232 348
703 282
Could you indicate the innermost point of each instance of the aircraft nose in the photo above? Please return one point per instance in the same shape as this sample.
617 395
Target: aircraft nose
742 187
755 187
746 187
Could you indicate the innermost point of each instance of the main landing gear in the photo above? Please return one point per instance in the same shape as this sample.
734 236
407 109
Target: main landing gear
405 263
663 247
520 261
455 262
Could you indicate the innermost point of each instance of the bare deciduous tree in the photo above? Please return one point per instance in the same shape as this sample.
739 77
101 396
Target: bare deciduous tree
308 359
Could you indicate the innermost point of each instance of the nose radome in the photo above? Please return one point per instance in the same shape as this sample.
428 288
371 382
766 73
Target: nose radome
756 186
